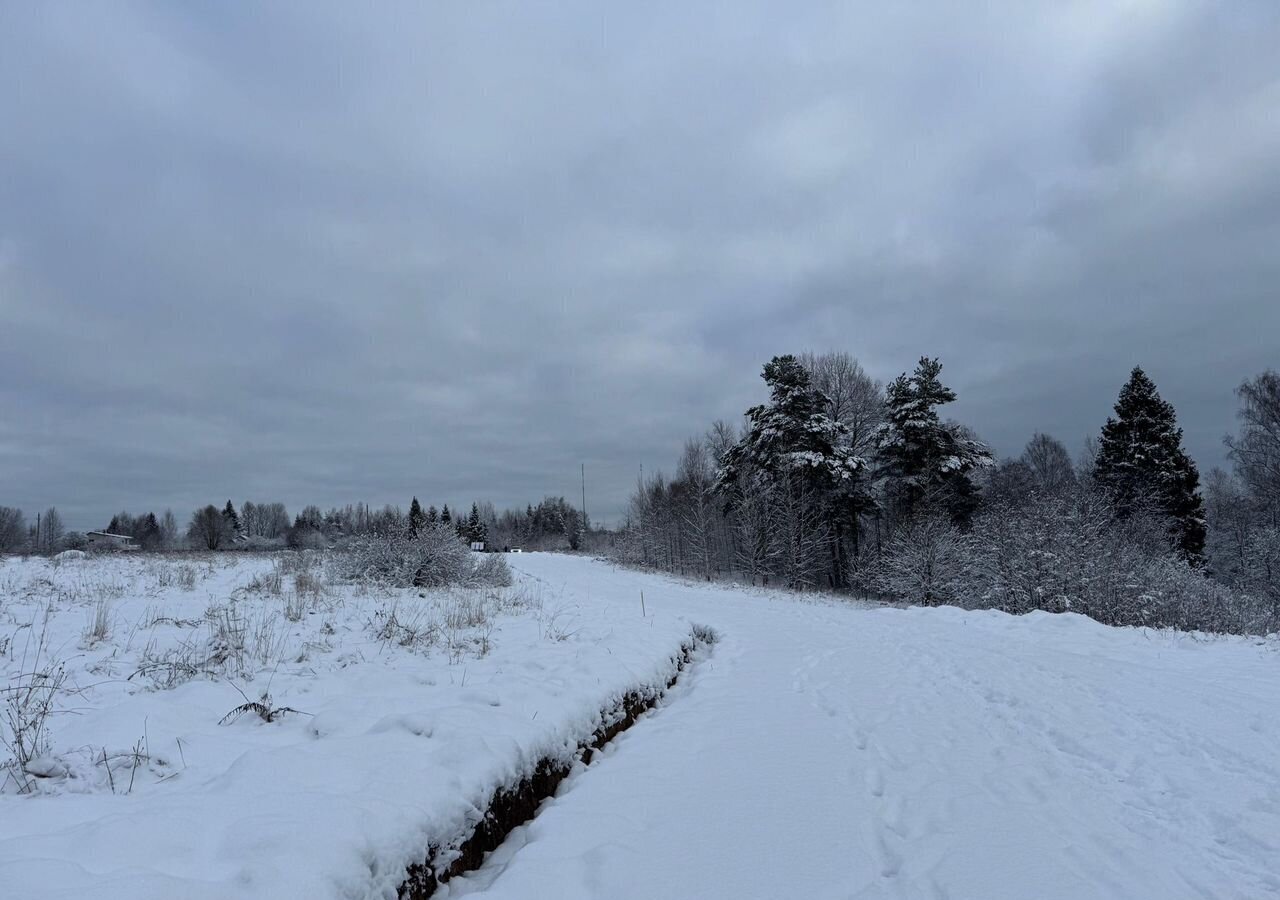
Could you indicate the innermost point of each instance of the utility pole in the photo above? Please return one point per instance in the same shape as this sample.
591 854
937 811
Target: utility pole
584 497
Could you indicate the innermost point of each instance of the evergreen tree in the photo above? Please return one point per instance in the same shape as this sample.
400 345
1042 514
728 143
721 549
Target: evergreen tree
476 529
790 436
1141 460
416 517
920 456
446 517
122 523
799 461
148 532
433 515
233 520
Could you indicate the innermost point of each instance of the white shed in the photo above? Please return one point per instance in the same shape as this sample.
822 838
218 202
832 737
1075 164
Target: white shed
105 540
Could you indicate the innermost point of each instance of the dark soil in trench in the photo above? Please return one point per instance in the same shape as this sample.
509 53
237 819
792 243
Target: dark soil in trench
514 805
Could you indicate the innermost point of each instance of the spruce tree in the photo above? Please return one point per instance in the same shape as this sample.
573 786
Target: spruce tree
922 457
433 515
476 529
148 532
1141 460
232 519
416 517
446 517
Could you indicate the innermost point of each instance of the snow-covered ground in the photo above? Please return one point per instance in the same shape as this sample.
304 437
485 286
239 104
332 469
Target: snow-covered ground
822 749
396 746
826 751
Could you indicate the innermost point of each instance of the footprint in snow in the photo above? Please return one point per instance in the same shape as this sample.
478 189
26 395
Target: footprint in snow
875 782
890 859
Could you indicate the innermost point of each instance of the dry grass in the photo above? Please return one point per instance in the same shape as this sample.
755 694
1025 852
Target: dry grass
99 627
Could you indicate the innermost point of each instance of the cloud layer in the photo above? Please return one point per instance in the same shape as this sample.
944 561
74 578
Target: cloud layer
331 253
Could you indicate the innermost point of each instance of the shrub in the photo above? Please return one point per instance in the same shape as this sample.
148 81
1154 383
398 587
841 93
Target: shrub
258 544
305 537
922 562
434 557
1071 551
492 569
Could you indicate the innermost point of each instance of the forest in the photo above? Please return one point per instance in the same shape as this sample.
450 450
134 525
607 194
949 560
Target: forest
841 483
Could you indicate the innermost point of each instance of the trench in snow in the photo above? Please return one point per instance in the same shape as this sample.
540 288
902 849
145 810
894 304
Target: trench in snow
516 804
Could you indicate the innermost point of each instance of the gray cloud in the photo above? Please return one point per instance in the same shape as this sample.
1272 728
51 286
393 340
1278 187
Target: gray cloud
316 252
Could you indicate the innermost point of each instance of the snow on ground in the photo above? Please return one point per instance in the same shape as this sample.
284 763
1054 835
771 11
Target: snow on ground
826 751
413 709
823 749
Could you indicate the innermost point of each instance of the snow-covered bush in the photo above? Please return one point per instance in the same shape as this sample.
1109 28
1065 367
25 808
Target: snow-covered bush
1070 551
922 562
434 557
492 569
1175 595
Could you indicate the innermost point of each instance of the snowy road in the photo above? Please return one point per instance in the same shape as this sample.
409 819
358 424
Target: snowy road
828 751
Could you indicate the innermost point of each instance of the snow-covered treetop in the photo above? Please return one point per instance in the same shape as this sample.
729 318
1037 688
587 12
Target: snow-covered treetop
914 443
790 435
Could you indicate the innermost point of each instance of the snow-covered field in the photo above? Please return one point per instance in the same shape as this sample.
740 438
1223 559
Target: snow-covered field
821 750
412 709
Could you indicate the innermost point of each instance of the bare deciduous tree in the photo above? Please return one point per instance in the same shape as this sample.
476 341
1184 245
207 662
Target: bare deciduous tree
168 530
51 530
1256 449
13 529
208 529
855 399
694 478
1049 462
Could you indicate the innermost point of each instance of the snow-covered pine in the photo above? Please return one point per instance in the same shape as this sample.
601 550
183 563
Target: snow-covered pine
920 455
790 435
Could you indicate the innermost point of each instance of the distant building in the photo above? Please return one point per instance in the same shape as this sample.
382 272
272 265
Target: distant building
105 540
478 546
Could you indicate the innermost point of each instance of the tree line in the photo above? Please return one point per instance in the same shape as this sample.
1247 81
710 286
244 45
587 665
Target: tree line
550 524
841 483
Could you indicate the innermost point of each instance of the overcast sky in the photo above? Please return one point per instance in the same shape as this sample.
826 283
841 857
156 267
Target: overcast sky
344 252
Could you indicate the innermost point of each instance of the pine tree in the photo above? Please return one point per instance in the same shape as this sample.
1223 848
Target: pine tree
416 517
920 456
446 517
1141 460
791 436
433 515
800 459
